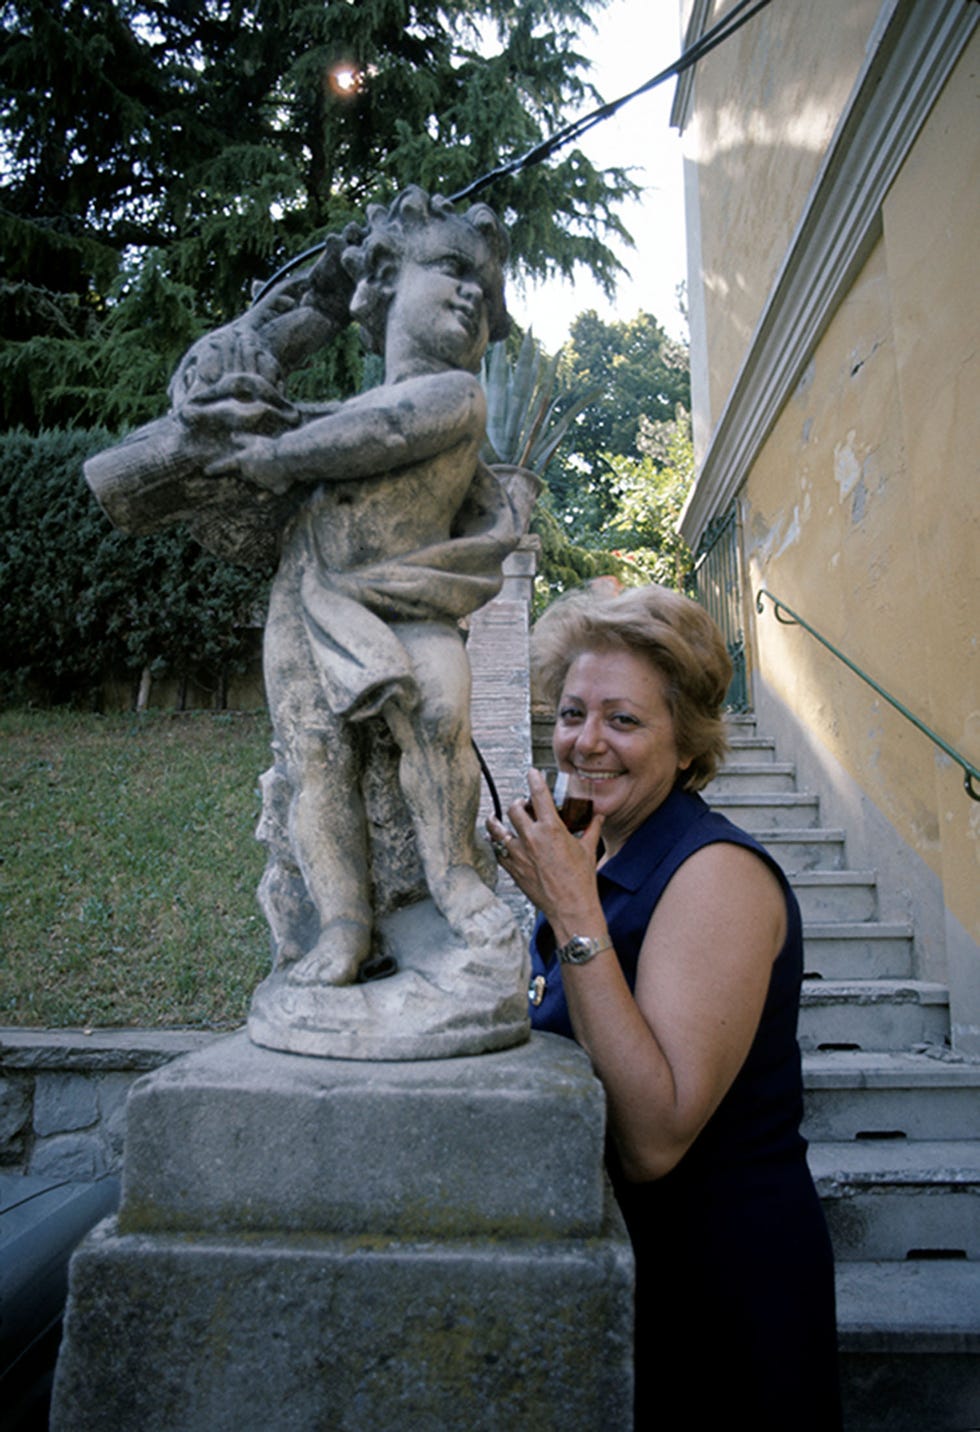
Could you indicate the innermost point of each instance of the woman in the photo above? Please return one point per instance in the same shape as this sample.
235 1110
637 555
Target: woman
669 945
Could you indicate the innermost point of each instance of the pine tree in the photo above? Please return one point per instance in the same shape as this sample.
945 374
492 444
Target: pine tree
215 140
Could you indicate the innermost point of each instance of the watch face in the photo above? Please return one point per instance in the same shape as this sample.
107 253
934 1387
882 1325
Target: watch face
578 950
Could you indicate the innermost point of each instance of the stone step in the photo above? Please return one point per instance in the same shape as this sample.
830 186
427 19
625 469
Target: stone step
799 850
750 749
759 814
750 777
900 1198
845 896
872 1014
852 1095
862 950
910 1345
740 720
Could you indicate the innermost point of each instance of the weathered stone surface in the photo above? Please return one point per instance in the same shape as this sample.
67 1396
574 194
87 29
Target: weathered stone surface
113 1094
208 1334
79 1157
449 997
239 1137
83 1081
15 1109
64 1102
320 1243
388 530
102 1049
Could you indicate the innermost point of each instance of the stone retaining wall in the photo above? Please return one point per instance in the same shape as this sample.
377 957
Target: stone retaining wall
63 1095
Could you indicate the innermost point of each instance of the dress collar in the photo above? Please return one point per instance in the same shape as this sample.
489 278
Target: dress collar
653 840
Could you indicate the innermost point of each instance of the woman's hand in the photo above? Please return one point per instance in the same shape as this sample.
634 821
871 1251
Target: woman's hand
555 870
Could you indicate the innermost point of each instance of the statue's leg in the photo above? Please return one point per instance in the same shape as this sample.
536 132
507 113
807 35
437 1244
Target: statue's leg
440 778
326 826
293 920
327 832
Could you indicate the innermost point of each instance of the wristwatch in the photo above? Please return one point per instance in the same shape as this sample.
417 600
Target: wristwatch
580 949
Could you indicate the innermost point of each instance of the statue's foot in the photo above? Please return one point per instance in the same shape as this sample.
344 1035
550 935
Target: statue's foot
474 913
491 925
335 959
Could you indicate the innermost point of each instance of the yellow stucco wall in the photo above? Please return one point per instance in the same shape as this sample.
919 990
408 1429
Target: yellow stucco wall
931 220
758 146
863 509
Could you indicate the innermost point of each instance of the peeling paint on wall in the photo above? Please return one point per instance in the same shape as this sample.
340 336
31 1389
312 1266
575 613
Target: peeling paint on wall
860 498
847 468
792 534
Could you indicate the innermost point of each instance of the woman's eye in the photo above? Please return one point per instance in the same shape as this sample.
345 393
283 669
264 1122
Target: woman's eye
569 713
622 718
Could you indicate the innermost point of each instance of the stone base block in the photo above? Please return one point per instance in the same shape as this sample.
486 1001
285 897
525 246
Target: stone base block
318 1244
238 1138
175 1333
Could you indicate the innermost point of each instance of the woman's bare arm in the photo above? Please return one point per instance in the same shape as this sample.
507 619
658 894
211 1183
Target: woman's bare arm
667 1056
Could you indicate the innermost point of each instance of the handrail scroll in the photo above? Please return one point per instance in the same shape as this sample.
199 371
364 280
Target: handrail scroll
791 618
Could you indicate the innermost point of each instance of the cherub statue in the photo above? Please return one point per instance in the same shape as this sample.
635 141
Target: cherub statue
388 530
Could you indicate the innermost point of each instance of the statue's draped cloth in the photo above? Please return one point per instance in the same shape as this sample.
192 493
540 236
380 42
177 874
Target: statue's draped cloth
156 477
348 614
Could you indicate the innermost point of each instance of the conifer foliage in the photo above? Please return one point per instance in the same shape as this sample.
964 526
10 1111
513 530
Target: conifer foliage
157 157
215 140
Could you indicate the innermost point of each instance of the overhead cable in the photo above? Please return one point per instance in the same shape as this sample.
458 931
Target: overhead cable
739 15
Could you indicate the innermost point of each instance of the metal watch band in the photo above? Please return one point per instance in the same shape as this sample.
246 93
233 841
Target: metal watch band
580 949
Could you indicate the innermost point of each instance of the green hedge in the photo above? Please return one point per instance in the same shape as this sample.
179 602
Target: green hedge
82 602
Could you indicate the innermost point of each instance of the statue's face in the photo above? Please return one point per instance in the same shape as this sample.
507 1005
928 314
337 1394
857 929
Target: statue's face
447 281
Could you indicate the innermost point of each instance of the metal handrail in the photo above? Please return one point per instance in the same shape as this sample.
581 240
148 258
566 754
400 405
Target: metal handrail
970 772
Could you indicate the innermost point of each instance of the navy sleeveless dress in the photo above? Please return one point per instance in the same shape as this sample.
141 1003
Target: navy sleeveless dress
735 1320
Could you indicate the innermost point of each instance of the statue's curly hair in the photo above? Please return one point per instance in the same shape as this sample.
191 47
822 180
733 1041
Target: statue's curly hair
372 260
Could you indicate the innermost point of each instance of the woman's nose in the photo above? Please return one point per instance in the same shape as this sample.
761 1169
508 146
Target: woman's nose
590 734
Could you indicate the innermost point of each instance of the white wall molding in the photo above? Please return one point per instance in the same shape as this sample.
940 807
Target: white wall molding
912 51
684 92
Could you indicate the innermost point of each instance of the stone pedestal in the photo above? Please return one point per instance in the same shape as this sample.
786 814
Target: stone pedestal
315 1244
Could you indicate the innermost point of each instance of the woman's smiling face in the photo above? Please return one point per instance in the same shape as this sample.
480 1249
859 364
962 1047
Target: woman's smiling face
614 727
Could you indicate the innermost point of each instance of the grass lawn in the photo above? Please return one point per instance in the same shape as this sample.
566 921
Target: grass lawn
128 868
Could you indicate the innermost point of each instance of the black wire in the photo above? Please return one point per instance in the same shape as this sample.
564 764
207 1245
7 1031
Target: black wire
485 771
738 16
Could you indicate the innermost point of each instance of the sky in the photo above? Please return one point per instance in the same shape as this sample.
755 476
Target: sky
633 40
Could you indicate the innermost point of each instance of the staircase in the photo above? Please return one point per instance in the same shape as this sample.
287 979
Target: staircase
892 1116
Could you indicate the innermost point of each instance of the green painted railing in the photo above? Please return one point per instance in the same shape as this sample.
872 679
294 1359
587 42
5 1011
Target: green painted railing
970 772
718 583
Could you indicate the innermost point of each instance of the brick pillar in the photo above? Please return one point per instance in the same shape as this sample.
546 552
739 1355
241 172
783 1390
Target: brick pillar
497 645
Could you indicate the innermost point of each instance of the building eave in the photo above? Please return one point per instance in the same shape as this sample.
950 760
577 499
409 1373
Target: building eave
910 55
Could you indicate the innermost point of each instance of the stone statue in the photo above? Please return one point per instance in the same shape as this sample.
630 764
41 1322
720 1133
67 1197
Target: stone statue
387 529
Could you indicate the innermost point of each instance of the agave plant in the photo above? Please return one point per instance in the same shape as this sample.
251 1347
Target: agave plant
523 428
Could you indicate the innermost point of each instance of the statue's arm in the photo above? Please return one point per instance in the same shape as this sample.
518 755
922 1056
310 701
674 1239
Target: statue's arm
388 427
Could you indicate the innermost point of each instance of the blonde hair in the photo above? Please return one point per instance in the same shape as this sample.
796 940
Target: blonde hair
678 638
